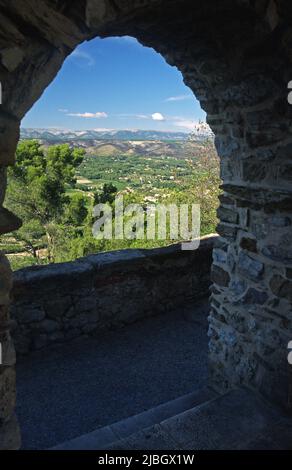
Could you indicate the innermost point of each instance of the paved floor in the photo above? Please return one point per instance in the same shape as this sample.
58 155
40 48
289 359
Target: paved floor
72 389
238 420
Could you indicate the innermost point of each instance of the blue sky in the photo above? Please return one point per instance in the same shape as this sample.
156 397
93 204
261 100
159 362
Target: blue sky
116 83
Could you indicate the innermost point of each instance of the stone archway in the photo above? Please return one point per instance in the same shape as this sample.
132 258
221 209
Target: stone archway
236 57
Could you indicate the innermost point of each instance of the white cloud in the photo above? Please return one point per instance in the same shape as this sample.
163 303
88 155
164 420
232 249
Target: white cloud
158 117
178 98
62 110
186 124
136 116
125 39
98 115
83 57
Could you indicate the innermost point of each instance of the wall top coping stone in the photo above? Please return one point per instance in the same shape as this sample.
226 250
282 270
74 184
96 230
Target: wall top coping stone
92 263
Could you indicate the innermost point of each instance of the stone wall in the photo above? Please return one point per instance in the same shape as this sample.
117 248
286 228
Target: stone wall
251 319
60 302
236 56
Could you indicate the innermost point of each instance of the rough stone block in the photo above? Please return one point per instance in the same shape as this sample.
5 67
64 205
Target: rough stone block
39 341
253 170
254 296
226 200
3 182
5 280
249 244
237 287
227 215
220 276
10 435
11 57
9 136
8 351
281 287
227 231
8 221
7 392
219 256
98 11
48 326
58 307
29 314
250 267
282 251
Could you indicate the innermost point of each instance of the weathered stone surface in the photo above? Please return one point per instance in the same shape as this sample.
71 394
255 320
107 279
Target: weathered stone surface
5 280
276 128
7 392
11 57
3 181
250 267
254 296
289 273
98 11
253 170
220 276
8 350
39 341
53 278
29 314
227 231
48 326
8 221
250 91
282 251
226 200
279 221
249 244
237 83
219 256
281 287
227 215
56 307
59 302
285 172
9 135
10 435
238 287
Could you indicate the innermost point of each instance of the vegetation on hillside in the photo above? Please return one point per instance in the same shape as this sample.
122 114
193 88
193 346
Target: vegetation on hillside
54 190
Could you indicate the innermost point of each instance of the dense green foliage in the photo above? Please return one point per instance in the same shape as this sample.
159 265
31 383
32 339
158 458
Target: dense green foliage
37 194
54 191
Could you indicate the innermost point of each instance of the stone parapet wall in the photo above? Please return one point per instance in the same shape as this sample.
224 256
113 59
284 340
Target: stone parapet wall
236 56
63 301
251 315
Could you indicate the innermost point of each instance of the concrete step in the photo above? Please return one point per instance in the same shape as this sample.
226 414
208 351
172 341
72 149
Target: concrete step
204 420
106 436
238 420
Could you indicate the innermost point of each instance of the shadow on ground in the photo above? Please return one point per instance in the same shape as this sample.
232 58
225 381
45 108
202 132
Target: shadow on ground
71 389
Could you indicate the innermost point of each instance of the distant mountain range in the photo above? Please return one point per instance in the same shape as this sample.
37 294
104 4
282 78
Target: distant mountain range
201 132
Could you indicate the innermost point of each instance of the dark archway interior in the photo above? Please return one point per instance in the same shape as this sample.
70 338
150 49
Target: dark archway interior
236 57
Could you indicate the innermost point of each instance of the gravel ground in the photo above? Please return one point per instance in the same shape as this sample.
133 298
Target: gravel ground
71 389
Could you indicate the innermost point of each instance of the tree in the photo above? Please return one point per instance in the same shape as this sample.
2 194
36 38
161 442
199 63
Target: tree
30 235
107 194
37 189
76 211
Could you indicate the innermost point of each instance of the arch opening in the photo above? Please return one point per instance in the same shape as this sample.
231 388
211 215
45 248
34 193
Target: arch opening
189 164
251 271
147 145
